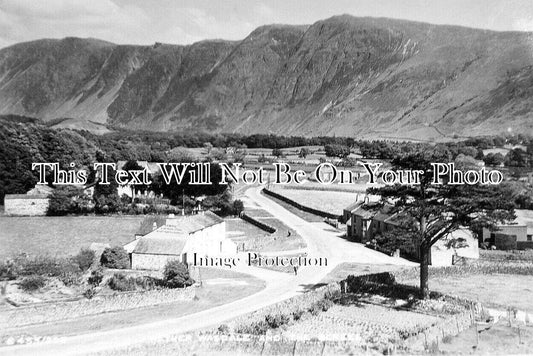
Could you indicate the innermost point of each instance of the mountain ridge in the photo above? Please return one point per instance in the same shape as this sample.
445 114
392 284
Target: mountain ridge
365 77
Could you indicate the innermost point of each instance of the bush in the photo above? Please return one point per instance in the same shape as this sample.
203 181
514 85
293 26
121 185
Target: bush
255 328
8 271
121 283
40 265
297 314
176 275
147 282
32 283
84 259
115 257
274 321
70 273
89 293
63 201
96 277
223 329
238 207
276 152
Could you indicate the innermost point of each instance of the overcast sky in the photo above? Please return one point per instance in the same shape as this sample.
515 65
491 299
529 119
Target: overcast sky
187 21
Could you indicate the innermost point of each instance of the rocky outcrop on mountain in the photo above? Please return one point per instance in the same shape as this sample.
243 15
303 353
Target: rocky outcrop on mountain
342 76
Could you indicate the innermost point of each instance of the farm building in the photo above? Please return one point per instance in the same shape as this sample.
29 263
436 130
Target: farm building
35 202
513 236
130 189
179 238
366 221
26 204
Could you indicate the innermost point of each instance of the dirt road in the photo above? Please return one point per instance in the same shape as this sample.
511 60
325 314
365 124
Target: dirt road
279 286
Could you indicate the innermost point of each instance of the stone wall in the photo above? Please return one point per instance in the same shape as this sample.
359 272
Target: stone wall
25 205
151 261
53 312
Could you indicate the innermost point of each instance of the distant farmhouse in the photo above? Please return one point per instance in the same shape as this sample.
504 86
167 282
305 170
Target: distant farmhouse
35 202
129 189
365 221
26 204
515 236
161 239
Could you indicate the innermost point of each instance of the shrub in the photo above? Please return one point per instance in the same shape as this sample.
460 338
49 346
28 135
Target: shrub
274 321
223 329
121 283
32 283
176 275
40 265
324 304
70 273
63 201
255 328
277 153
147 282
96 277
8 271
115 257
84 259
65 269
89 293
297 314
238 207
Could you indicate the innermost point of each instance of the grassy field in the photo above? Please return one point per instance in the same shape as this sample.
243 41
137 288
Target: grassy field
208 296
493 290
356 269
329 201
60 236
256 239
300 213
500 339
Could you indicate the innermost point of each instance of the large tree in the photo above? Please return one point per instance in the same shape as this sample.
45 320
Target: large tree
439 209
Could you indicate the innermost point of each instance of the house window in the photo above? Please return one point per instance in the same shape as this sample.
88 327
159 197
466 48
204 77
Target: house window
530 237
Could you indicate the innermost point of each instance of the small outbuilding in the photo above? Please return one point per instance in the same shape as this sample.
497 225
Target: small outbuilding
26 204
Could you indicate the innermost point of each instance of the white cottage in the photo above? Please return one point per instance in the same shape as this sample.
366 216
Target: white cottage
178 239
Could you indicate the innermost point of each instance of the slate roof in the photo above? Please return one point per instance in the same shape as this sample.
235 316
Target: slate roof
160 245
353 205
180 224
364 213
170 238
147 225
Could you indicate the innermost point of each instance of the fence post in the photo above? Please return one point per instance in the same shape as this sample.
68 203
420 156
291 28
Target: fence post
263 348
477 336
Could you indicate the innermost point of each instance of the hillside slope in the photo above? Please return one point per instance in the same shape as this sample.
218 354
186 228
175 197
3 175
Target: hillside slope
342 76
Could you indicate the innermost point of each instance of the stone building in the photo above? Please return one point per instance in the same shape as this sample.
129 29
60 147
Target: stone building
366 221
179 238
26 204
517 235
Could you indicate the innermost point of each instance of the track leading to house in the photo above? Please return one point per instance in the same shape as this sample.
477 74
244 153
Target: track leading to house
279 286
